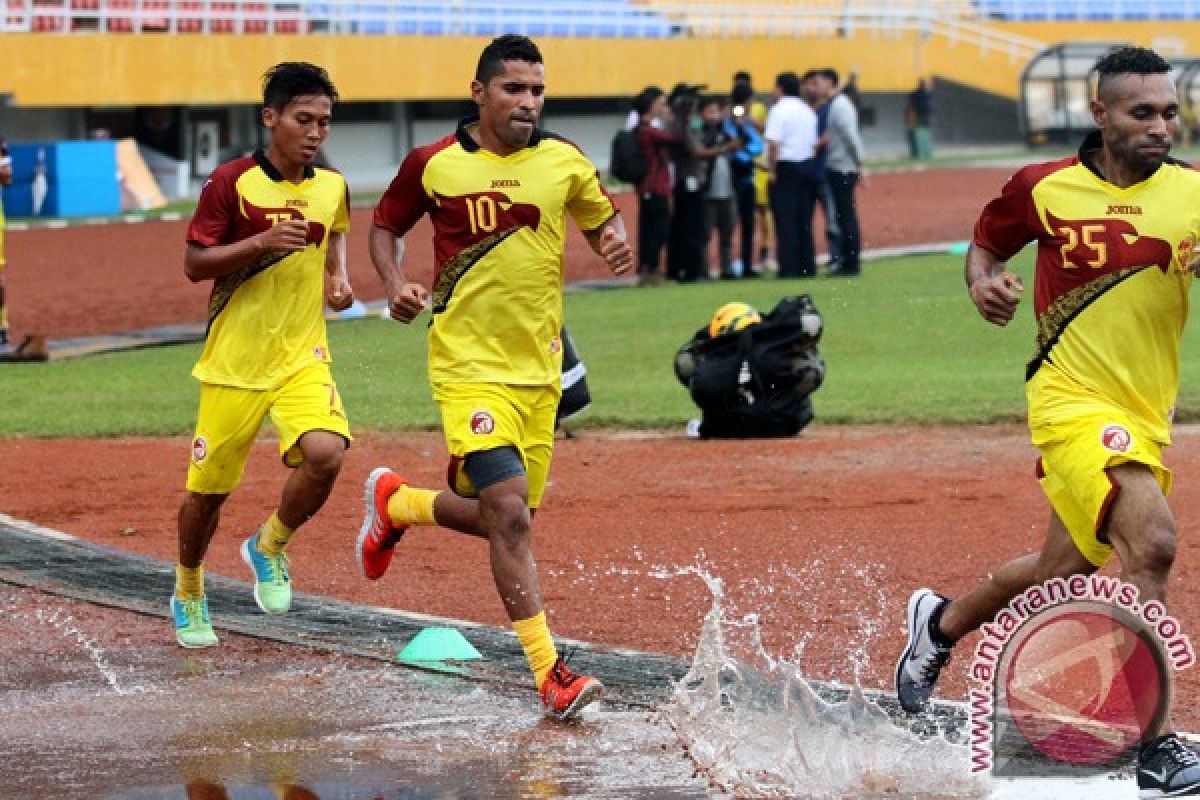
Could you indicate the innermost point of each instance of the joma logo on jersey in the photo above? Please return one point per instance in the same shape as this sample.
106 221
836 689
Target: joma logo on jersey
506 183
299 202
1130 210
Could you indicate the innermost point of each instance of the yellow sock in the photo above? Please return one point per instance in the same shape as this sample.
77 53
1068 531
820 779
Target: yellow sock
409 506
535 639
273 536
189 581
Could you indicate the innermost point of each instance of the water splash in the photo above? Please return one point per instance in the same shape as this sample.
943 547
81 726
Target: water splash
761 730
65 624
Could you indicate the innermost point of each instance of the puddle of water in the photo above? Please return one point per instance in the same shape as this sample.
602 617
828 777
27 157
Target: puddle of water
88 709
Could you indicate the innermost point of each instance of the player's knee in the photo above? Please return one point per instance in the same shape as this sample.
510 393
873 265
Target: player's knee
507 516
323 456
1153 552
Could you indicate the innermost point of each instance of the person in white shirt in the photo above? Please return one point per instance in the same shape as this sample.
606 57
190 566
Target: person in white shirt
791 136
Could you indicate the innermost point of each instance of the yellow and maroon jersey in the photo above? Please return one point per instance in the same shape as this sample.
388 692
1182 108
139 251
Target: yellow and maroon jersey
266 321
1111 286
499 238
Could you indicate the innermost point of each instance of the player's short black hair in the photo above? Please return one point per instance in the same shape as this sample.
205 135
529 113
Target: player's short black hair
741 76
1128 61
742 94
509 47
788 83
646 99
284 82
831 74
711 100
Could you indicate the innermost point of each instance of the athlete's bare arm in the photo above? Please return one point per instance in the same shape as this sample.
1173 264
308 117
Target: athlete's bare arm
338 292
406 299
609 242
995 290
210 263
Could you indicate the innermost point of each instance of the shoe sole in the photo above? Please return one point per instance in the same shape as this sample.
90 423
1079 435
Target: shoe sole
913 602
245 548
182 643
368 520
589 695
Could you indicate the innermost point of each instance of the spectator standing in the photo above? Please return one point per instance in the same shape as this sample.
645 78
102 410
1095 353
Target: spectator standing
791 136
746 169
843 172
720 211
6 175
685 244
655 140
813 89
916 119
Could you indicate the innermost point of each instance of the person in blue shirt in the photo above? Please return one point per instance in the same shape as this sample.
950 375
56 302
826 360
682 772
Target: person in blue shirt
742 163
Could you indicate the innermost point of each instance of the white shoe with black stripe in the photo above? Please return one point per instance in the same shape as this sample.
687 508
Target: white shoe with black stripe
922 661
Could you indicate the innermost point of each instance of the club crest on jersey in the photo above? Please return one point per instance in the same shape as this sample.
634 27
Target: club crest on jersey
482 423
1186 248
555 345
1116 438
321 353
199 449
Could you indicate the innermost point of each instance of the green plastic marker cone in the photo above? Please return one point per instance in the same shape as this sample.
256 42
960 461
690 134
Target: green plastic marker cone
438 644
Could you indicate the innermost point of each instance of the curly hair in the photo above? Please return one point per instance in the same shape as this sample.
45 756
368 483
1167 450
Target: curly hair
1128 61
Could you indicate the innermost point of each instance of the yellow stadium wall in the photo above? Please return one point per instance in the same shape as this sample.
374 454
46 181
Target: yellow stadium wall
43 70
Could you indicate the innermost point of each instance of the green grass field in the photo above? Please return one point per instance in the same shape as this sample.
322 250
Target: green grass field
903 344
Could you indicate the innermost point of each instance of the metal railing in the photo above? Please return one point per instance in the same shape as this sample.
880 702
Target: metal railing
951 19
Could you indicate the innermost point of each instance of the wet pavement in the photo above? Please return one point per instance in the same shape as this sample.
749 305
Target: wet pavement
98 702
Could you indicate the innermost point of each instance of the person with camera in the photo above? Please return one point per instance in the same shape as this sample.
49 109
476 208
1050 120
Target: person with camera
6 176
734 146
655 140
747 169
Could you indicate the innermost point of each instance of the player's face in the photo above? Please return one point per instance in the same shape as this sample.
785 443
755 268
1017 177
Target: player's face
1139 115
299 129
510 104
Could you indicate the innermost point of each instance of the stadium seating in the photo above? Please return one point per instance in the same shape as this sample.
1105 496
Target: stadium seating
1064 10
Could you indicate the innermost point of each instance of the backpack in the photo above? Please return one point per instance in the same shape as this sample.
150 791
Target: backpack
756 382
627 162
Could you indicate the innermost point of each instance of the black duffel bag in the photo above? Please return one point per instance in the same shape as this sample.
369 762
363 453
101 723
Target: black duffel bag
756 382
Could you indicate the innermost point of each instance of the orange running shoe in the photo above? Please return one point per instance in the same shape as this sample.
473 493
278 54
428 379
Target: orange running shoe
564 693
378 536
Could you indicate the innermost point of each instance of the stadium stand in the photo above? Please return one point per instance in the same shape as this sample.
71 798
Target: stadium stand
1046 10
567 18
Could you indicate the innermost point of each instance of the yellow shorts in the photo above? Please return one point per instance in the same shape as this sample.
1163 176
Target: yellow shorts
1079 439
229 419
2 260
484 416
761 197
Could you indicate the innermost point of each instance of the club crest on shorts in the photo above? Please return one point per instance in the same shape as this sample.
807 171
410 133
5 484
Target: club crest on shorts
1116 438
482 423
199 449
